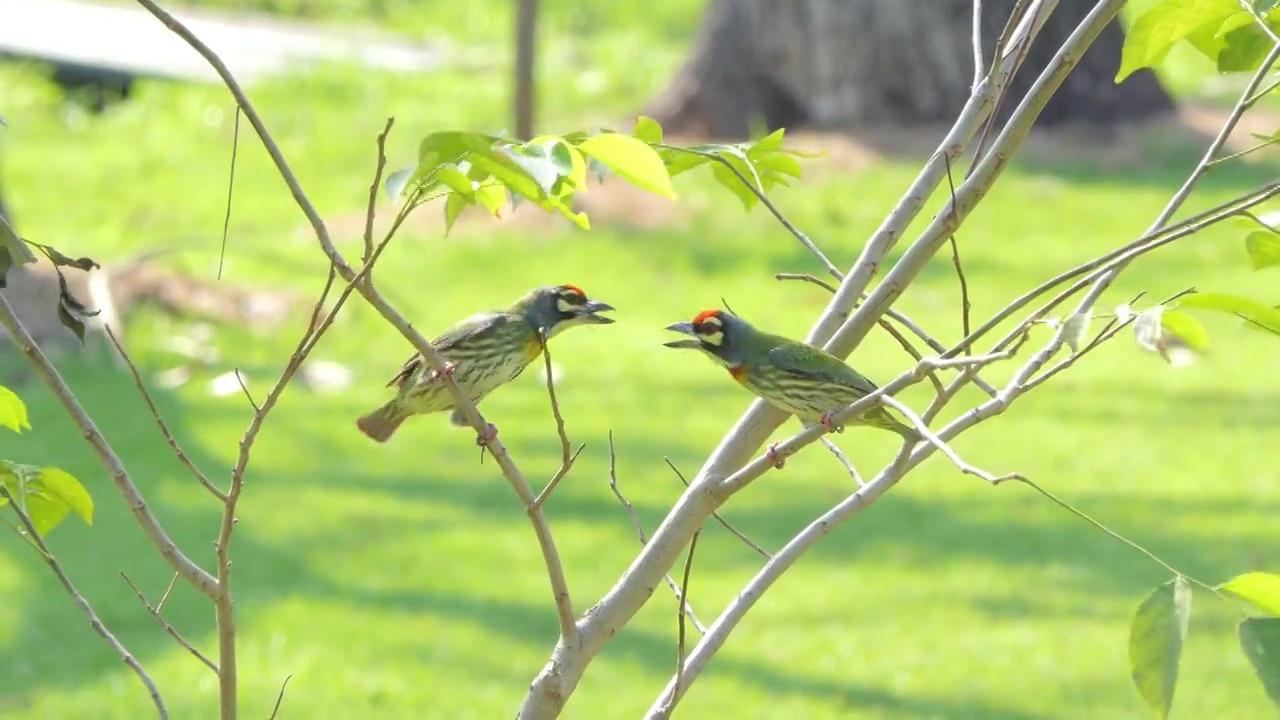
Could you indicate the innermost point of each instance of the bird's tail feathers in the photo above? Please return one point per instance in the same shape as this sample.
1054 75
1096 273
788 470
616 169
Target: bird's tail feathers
381 424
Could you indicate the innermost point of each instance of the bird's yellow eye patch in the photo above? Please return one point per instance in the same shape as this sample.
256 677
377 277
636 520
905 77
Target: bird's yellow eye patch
564 306
714 338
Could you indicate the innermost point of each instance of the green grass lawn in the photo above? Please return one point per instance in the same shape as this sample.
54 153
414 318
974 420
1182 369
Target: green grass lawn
403 581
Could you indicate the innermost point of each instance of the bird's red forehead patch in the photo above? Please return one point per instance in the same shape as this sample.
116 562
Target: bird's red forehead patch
575 288
704 316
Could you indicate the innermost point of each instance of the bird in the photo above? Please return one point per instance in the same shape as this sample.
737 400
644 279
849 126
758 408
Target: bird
793 376
482 353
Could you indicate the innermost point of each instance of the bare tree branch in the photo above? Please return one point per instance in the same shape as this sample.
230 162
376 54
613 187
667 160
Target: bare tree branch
644 539
566 457
552 687
848 466
180 563
36 541
720 519
275 710
431 356
160 423
764 200
159 616
231 184
684 594
965 307
889 328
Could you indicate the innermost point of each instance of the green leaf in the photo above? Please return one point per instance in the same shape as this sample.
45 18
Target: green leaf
1075 329
491 197
1244 50
647 130
768 144
1148 328
455 179
1262 7
83 263
779 162
46 512
1156 636
13 412
1165 24
1266 317
1263 248
1186 327
71 322
561 158
1260 641
454 204
68 490
733 184
396 182
632 159
10 241
1260 589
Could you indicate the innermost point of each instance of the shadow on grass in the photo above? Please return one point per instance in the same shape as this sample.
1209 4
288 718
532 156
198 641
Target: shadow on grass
53 647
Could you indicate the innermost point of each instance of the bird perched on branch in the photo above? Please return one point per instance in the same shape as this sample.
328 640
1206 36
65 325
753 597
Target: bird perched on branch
482 353
793 376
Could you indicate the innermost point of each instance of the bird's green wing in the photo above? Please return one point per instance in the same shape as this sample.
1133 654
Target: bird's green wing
811 363
476 326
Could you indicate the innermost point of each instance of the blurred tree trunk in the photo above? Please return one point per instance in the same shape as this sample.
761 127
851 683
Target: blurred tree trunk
838 64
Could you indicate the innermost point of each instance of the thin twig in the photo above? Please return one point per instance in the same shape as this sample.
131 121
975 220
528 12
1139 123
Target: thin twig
764 200
564 669
943 447
159 616
644 539
179 562
164 428
965 306
902 320
1022 48
231 184
566 457
94 621
280 697
680 613
1109 532
371 210
807 277
727 526
848 466
978 71
245 389
513 475
780 451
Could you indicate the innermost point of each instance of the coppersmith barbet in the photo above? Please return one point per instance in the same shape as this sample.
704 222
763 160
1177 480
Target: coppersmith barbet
483 352
793 376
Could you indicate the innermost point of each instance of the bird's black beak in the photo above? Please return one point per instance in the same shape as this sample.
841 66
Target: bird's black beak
588 312
687 329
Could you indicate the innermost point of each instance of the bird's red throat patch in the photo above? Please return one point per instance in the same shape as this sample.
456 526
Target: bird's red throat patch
704 315
739 372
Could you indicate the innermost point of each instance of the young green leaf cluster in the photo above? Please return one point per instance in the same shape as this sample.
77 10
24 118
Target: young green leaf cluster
44 494
472 169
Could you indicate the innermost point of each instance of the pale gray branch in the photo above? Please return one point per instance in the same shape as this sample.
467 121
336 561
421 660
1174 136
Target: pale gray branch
552 687
94 621
180 563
